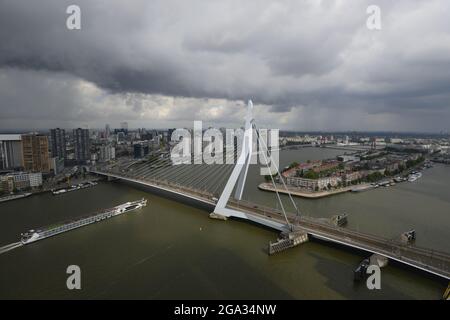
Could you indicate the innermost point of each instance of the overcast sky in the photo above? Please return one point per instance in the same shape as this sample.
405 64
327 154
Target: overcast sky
307 65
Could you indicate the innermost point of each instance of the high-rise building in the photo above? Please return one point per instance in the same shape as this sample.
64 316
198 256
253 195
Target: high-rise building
58 139
35 153
82 145
120 136
107 153
140 149
11 151
107 131
56 165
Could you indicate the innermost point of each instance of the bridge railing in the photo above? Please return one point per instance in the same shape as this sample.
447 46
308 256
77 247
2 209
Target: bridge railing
392 246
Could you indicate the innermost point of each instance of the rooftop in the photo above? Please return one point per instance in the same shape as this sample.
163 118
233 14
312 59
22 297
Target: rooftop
10 137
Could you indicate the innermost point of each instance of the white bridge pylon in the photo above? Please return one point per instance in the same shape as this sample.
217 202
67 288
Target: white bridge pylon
239 172
238 176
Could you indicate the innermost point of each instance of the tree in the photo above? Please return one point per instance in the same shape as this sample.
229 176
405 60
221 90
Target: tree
293 164
375 176
311 175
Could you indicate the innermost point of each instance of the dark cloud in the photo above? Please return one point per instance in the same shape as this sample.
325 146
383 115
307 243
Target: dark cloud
316 57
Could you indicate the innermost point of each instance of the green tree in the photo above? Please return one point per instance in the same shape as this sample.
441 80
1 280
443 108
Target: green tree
311 175
373 177
293 164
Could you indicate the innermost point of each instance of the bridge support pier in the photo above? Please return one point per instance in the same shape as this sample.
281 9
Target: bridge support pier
288 240
375 259
217 216
378 260
446 295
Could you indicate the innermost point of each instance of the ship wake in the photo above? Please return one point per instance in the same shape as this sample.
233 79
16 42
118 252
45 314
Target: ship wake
10 247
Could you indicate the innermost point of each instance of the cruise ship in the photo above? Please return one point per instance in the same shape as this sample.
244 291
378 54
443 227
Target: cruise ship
35 235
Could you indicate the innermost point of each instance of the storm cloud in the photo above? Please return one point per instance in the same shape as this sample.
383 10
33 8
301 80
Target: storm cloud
308 65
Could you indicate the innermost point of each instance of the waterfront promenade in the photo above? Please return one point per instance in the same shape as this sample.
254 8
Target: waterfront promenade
312 195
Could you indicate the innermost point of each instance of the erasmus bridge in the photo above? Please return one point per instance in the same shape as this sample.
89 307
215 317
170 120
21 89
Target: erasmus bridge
219 188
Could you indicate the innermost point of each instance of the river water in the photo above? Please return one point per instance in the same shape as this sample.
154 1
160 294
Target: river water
169 250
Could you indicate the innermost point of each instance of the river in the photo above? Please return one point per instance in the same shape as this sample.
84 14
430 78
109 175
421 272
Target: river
169 250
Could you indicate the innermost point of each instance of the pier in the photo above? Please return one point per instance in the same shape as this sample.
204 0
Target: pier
287 241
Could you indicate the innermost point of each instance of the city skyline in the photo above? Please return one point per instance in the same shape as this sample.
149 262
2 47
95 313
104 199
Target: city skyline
385 133
218 152
307 66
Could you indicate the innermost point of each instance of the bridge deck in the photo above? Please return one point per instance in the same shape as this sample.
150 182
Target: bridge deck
428 260
425 259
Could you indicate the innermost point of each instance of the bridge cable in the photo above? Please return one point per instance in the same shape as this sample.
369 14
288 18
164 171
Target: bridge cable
273 182
278 172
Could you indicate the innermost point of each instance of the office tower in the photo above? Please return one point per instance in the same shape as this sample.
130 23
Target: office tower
107 153
141 149
35 153
82 145
120 136
11 151
58 138
107 131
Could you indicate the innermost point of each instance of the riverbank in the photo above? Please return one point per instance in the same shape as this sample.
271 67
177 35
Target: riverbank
50 188
14 197
312 195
